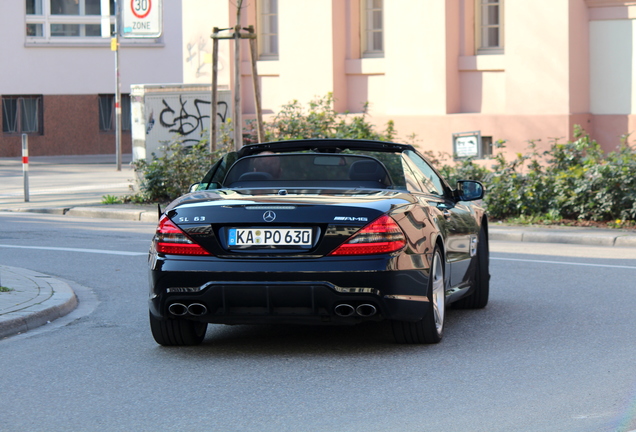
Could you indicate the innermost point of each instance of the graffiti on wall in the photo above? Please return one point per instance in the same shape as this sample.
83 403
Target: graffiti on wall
199 57
188 118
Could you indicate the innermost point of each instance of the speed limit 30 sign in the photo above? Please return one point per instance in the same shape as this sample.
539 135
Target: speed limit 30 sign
141 18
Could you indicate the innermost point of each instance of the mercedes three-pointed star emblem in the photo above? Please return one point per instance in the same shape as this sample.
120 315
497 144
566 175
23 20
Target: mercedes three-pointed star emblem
269 216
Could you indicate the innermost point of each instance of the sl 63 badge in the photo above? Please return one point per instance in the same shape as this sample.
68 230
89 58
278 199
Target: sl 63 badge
194 219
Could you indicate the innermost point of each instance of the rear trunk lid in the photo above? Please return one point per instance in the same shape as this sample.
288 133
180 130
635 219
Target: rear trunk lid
286 222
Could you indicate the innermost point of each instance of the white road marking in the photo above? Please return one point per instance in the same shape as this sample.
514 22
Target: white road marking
565 263
116 187
94 251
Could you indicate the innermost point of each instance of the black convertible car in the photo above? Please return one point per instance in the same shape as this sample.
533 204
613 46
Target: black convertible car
327 231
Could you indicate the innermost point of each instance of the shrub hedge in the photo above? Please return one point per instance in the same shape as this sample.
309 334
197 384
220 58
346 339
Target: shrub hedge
571 180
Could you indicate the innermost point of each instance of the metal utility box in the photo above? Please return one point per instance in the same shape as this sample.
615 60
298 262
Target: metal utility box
164 113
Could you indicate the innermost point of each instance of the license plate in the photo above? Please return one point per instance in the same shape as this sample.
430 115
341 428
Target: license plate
270 237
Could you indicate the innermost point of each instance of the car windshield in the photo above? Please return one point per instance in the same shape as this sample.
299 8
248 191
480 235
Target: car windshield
309 170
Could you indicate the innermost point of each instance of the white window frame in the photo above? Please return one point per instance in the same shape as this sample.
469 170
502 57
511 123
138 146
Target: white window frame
482 27
369 31
46 19
265 32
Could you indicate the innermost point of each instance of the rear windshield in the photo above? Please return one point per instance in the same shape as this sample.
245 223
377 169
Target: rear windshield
309 170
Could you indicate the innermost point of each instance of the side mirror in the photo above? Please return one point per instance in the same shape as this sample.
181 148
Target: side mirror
469 190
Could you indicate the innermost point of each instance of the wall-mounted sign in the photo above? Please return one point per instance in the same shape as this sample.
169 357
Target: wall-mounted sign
467 144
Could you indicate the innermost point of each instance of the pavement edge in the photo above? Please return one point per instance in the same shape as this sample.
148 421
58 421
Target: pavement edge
61 302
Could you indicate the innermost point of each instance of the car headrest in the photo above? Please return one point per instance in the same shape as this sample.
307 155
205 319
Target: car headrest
366 171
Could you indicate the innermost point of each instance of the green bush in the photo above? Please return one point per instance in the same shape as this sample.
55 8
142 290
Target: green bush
572 180
170 173
322 121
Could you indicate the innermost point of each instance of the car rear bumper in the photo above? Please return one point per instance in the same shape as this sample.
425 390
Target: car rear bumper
253 297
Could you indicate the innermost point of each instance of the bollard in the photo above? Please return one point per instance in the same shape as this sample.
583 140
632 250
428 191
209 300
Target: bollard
25 166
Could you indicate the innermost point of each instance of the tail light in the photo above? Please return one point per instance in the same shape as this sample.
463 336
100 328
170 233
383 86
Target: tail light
170 239
383 235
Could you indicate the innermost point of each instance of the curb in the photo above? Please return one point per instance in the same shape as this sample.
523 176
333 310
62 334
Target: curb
56 299
617 239
141 215
104 212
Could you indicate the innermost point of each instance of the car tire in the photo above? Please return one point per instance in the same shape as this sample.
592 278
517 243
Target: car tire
430 328
177 332
481 285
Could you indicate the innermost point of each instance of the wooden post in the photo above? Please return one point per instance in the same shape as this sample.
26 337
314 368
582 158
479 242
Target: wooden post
238 109
238 122
215 81
257 89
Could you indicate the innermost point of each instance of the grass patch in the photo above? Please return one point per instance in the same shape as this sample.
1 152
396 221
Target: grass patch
111 199
5 289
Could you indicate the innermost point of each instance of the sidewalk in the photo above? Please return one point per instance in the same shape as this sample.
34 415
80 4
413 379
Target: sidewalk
75 185
34 300
58 183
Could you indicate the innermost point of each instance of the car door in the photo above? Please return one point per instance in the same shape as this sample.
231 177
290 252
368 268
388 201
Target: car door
459 226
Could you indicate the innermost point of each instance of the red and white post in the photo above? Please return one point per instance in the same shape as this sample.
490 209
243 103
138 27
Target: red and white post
25 166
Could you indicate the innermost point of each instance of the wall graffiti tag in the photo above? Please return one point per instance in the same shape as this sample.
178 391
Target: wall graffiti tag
163 114
199 57
188 117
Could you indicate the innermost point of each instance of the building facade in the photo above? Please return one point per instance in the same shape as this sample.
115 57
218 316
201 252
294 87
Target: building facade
57 83
512 70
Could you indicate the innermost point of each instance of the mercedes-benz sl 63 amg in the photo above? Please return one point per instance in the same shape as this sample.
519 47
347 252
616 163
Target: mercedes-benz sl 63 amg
328 232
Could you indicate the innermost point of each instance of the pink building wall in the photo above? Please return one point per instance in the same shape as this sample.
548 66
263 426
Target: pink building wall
558 62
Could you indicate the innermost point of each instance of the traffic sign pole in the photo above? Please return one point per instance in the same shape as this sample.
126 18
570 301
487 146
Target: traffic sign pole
25 165
117 87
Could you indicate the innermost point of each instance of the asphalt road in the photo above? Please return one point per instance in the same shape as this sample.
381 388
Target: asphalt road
553 351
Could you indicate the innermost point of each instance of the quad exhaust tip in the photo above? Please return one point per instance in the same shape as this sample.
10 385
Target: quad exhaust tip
346 310
178 309
366 310
195 309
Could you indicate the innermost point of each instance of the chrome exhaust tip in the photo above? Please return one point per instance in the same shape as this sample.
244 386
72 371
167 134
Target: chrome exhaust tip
197 309
344 310
178 309
366 310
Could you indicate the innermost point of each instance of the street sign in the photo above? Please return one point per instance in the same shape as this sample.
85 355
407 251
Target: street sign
141 18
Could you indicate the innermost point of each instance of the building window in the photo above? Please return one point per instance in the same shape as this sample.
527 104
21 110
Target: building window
373 28
107 112
486 146
65 20
268 29
22 114
489 26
